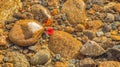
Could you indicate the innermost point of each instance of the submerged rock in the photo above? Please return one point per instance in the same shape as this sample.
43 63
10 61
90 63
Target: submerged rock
18 59
87 62
90 34
8 8
25 32
91 48
3 41
116 7
61 64
110 64
113 53
63 43
40 13
41 57
75 10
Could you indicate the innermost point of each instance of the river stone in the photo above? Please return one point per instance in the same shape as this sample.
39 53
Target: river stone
75 10
18 59
63 43
41 57
90 34
109 64
91 48
8 8
113 53
87 62
40 13
26 32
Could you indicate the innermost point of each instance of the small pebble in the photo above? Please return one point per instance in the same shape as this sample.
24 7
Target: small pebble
110 17
117 17
91 48
6 59
100 33
41 57
109 64
106 28
69 29
90 34
79 27
87 62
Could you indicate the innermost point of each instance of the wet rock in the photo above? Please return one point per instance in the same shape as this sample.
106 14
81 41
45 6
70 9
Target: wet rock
41 57
84 39
90 34
106 28
12 5
117 46
109 5
19 60
3 38
54 3
105 42
97 24
72 61
101 39
54 12
117 17
1 58
25 32
115 35
110 17
64 44
114 25
3 41
91 48
35 47
100 2
79 27
100 33
8 58
24 15
57 57
113 54
87 62
92 25
40 13
8 65
71 65
61 64
116 7
109 64
96 7
69 29
75 11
